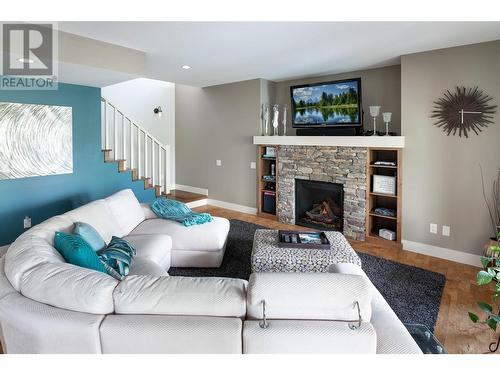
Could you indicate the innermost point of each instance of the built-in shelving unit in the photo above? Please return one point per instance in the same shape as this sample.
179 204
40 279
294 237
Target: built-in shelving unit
376 221
266 187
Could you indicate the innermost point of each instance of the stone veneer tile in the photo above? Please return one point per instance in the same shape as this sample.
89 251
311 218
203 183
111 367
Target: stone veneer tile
344 165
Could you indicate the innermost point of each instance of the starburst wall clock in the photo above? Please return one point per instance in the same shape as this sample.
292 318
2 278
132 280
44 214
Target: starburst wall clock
464 110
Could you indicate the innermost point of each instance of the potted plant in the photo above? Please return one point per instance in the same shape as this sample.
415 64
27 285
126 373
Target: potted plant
493 205
491 261
490 274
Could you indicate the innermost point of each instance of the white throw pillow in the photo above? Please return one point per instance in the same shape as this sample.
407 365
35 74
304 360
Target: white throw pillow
126 209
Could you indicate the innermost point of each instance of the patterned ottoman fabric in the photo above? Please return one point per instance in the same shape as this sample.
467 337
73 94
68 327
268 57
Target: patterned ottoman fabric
267 256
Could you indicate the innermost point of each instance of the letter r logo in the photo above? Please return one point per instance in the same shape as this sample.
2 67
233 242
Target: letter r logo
28 49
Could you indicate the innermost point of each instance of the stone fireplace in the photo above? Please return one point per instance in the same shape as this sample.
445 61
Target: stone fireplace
331 164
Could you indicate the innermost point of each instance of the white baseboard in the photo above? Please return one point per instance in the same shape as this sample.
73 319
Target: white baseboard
233 206
191 189
198 203
443 253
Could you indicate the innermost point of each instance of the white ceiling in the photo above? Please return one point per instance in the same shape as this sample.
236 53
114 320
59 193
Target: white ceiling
221 52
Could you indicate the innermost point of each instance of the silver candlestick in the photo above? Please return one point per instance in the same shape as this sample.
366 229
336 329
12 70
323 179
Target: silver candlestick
283 122
387 119
374 112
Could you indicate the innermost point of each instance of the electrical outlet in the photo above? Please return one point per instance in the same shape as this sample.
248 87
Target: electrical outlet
252 165
446 230
433 228
27 222
218 163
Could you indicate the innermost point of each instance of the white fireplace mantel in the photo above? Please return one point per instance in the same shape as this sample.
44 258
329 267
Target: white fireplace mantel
360 141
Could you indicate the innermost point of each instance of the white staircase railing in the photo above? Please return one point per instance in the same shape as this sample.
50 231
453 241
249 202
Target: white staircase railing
135 147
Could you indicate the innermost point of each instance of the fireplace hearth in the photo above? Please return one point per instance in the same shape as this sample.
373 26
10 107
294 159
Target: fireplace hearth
319 205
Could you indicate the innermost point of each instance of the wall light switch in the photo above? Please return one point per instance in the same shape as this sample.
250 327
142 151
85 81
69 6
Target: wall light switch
252 165
433 228
218 163
446 230
27 222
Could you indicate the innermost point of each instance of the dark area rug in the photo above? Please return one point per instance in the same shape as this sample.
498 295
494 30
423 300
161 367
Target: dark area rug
413 293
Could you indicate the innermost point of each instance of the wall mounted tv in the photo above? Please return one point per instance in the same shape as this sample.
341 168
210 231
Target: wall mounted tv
327 104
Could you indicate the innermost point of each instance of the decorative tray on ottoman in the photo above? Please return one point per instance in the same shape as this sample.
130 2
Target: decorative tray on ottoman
303 239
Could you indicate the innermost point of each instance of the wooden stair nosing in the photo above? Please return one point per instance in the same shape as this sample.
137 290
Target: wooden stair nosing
146 180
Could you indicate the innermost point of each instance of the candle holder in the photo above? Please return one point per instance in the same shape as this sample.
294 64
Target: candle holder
283 121
387 119
374 112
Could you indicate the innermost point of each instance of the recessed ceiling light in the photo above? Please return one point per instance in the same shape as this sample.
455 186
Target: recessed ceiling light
185 67
23 60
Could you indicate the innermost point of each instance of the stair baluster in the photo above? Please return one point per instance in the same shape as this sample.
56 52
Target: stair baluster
140 153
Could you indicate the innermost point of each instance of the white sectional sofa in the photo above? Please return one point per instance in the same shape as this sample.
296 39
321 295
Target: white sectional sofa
50 306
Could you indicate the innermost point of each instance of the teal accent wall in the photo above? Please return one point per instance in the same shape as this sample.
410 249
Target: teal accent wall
43 197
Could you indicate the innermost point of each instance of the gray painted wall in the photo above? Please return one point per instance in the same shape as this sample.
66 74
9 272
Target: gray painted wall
381 86
441 178
218 122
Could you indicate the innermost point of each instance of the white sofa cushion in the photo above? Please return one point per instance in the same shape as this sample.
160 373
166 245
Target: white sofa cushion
33 327
5 286
70 287
205 237
157 334
97 214
179 295
143 266
27 252
307 336
126 209
392 335
147 211
155 247
308 296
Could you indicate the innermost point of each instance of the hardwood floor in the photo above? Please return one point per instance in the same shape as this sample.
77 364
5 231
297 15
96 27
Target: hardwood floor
453 328
184 196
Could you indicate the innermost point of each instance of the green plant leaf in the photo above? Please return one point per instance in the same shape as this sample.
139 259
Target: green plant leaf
473 317
497 262
492 272
492 323
495 317
485 261
485 306
483 278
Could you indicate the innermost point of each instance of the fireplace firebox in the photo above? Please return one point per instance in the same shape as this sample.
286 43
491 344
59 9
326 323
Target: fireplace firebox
319 205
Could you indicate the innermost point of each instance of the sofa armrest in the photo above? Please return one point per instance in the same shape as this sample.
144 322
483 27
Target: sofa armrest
392 335
148 212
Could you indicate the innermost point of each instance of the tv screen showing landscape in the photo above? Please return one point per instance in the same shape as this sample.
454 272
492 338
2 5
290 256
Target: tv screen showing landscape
330 103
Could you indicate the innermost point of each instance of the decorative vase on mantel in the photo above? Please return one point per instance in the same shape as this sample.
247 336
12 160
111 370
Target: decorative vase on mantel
276 117
265 119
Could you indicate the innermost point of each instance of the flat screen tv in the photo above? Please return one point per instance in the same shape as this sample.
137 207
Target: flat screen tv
327 104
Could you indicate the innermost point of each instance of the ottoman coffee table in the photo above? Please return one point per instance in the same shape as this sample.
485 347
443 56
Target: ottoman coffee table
267 256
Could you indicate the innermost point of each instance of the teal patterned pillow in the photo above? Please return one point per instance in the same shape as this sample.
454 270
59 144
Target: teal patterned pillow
77 251
117 257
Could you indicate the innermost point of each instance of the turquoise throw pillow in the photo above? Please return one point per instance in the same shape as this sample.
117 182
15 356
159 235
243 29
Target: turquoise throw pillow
90 235
77 251
117 257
